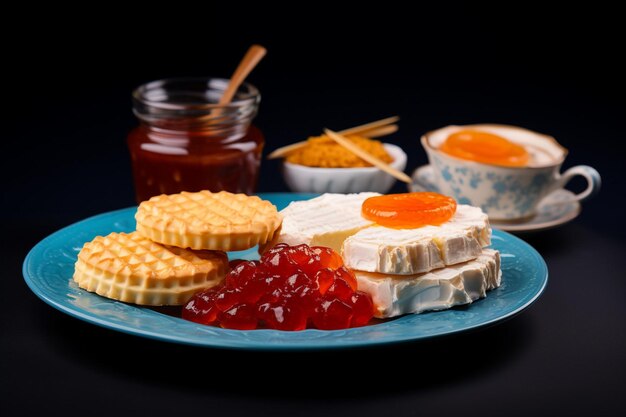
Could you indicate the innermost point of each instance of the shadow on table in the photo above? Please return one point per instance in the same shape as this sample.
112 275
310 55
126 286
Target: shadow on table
352 373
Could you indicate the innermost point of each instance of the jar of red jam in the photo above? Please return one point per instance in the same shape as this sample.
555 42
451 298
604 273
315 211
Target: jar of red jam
186 141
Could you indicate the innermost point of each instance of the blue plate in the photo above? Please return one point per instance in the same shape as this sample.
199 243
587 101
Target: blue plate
49 266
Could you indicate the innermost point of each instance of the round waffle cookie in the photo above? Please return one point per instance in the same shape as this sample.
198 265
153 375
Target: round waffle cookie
130 268
205 220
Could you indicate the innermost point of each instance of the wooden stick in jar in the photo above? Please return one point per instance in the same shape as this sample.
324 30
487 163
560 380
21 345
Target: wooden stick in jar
367 156
252 57
247 64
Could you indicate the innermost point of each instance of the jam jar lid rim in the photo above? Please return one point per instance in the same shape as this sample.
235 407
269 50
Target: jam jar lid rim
252 95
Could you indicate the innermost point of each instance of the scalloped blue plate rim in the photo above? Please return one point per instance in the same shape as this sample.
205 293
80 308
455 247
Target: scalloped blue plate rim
531 294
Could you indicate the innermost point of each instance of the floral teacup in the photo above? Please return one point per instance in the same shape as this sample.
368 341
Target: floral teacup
505 193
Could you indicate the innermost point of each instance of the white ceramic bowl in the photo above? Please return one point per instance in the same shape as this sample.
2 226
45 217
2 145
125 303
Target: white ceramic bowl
303 179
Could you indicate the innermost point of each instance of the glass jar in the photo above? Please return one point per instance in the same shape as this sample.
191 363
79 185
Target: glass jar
187 142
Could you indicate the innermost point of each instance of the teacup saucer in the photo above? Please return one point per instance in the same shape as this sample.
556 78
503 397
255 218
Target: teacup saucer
555 210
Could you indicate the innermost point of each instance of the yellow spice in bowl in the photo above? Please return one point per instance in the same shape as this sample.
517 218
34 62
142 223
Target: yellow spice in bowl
323 152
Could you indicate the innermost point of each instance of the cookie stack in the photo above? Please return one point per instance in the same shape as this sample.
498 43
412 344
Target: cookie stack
178 248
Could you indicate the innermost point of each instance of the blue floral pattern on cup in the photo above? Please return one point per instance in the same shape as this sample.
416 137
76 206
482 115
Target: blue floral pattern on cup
502 192
505 193
557 208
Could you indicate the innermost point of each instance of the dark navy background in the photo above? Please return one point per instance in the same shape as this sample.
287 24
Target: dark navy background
68 88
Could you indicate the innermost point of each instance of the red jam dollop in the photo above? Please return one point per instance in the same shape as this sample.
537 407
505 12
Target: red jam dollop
289 288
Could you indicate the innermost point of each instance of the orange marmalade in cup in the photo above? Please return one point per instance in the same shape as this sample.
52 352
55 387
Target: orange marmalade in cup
485 147
185 141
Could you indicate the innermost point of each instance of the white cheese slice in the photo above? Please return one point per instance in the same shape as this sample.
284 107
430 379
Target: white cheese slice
414 251
326 220
394 295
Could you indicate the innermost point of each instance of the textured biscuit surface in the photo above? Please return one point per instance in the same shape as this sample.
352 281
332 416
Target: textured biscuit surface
205 220
130 268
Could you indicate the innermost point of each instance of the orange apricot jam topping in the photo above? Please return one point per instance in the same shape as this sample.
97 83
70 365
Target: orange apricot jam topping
485 147
409 210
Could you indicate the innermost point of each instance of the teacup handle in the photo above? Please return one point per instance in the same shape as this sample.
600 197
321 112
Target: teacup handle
591 175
